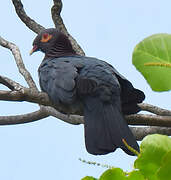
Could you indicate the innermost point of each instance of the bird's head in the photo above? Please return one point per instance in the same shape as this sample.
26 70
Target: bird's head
53 43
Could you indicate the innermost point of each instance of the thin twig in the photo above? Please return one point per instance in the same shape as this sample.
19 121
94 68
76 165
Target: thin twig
12 85
96 164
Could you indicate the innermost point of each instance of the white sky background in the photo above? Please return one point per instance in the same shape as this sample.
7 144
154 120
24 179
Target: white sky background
108 30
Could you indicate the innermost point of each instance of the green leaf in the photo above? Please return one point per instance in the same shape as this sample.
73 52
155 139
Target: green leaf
152 57
119 174
88 178
135 175
165 170
113 174
153 148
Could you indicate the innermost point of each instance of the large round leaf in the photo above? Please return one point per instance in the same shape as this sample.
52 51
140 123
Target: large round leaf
113 174
153 148
88 178
165 169
135 175
152 57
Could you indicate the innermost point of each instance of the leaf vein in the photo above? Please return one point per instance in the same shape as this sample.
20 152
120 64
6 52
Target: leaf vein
154 47
165 48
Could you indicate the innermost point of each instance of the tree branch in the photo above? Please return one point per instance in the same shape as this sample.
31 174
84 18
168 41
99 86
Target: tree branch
18 59
26 94
12 85
149 120
154 109
30 23
31 94
141 132
71 119
56 11
25 118
21 93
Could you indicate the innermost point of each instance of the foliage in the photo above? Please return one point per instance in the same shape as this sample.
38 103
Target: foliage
152 163
152 57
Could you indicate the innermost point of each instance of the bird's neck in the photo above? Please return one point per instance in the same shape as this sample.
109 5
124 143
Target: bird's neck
60 53
62 47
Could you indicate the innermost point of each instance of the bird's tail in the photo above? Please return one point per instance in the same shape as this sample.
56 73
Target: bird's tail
105 128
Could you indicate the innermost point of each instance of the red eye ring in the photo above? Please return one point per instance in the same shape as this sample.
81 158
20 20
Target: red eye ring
46 37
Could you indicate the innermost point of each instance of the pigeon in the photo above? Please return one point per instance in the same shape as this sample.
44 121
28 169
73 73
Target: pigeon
90 87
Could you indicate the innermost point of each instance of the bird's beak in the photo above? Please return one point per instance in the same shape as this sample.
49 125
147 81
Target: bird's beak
35 48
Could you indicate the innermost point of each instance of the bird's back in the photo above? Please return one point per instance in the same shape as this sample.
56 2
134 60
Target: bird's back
89 68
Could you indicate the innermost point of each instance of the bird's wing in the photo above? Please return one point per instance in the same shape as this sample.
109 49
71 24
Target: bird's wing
57 79
130 96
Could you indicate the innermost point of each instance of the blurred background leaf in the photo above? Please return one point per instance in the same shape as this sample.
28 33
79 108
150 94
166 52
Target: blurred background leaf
153 148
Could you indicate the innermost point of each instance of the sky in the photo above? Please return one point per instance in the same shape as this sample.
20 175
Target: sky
108 30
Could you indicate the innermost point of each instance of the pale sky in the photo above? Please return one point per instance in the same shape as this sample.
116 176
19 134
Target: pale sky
108 30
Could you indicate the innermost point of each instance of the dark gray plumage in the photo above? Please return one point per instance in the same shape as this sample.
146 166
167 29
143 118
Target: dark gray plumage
89 87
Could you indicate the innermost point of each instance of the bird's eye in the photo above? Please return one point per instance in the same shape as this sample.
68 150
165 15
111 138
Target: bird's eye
46 37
